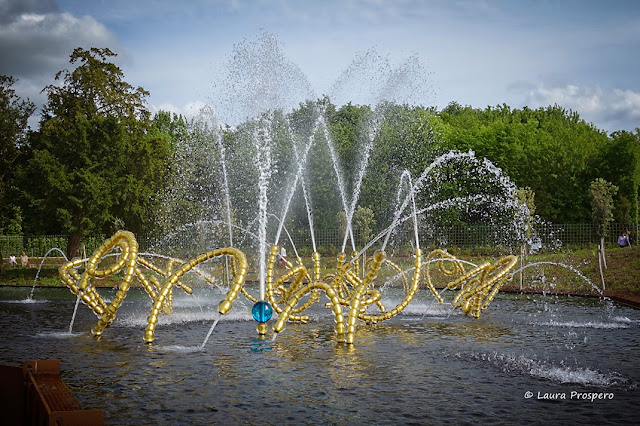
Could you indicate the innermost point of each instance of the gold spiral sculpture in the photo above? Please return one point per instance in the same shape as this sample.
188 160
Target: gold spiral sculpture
128 259
477 288
344 288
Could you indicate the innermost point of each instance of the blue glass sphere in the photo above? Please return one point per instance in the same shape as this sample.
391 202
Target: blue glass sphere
261 311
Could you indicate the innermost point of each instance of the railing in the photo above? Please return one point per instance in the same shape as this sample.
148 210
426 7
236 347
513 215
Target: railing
463 236
34 394
331 240
39 245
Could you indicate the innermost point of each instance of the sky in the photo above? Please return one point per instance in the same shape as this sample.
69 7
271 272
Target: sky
582 55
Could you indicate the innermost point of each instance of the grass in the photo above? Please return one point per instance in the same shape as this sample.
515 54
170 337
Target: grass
47 275
18 276
622 277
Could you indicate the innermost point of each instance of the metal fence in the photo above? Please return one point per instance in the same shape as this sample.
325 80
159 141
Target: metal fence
331 240
546 236
40 245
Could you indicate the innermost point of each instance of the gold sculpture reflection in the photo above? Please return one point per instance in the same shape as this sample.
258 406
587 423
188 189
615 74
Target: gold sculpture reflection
344 288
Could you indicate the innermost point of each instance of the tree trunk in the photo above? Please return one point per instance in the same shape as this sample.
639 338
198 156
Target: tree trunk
600 259
73 245
523 251
604 259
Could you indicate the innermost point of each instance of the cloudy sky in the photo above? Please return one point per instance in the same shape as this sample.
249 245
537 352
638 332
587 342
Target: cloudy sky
583 55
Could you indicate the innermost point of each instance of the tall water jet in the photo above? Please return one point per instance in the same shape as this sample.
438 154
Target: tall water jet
301 161
307 204
364 161
371 78
267 154
339 175
263 164
35 280
407 185
259 78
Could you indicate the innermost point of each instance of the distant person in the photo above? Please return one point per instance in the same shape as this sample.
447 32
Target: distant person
622 240
24 260
282 255
12 260
629 239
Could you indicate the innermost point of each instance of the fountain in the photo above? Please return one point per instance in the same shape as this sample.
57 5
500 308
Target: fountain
344 287
407 351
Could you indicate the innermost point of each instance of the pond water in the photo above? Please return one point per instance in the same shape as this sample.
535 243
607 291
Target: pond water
527 359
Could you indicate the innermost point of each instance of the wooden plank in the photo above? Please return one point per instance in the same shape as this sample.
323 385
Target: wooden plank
48 399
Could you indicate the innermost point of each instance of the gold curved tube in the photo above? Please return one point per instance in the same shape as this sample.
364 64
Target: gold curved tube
335 305
480 285
378 258
127 242
456 268
415 283
405 283
223 307
344 287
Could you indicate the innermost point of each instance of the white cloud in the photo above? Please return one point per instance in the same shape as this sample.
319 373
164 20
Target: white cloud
9 9
613 110
38 44
35 46
189 110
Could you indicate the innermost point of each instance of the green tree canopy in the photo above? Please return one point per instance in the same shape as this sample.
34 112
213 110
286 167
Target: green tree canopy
14 114
94 163
602 193
620 164
550 150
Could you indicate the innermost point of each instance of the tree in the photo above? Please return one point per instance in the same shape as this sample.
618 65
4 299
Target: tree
602 193
620 164
95 165
526 197
409 139
14 114
363 223
193 193
551 150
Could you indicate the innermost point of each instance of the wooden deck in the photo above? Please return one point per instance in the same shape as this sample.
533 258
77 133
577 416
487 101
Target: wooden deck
34 394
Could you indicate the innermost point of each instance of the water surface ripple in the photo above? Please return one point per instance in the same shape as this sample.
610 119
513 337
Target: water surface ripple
430 365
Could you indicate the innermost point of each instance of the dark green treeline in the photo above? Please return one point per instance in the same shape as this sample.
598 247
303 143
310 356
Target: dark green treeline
549 150
99 162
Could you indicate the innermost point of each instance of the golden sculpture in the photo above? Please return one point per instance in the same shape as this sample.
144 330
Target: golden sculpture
344 289
129 260
477 288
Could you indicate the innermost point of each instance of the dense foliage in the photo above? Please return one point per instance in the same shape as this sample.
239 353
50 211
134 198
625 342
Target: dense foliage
14 114
549 153
96 163
100 162
602 193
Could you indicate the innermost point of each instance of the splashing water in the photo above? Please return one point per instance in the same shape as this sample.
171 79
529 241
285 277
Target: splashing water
302 162
206 339
562 265
40 268
546 370
371 78
260 78
73 317
364 162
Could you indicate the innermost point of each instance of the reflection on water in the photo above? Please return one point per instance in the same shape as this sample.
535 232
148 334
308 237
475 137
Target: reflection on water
428 365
